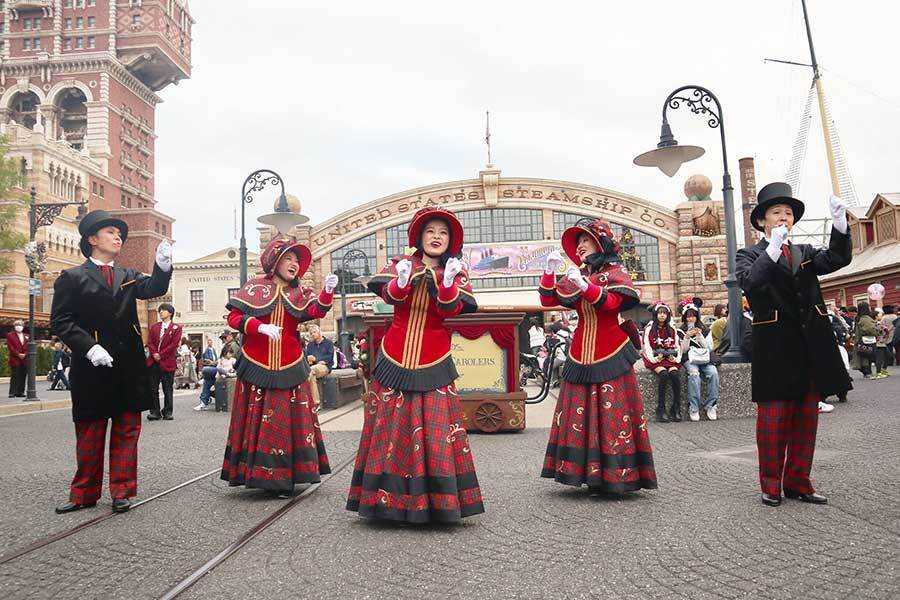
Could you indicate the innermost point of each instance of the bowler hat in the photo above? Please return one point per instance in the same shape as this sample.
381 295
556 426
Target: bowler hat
93 222
772 194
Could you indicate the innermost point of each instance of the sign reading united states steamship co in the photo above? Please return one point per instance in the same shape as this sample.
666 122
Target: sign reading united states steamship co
479 193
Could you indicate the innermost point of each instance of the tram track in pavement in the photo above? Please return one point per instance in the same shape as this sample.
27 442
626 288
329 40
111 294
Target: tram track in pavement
61 535
187 582
198 574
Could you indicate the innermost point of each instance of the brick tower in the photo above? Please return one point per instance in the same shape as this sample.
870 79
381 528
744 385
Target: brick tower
78 94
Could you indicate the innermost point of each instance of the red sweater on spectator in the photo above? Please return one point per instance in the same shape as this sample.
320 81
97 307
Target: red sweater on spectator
16 348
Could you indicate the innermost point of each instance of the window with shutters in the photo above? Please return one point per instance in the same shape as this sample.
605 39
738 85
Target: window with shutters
886 226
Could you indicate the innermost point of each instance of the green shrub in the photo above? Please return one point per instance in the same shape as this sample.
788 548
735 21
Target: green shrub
44 361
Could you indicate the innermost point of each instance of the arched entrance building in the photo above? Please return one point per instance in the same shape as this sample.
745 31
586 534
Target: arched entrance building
511 224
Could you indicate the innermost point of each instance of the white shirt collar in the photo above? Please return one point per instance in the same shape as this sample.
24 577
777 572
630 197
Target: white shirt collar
111 263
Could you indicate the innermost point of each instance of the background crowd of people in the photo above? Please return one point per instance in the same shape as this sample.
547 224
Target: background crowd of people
867 339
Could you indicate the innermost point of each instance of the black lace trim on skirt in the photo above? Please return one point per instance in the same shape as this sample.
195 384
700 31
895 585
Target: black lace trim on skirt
430 378
604 370
272 380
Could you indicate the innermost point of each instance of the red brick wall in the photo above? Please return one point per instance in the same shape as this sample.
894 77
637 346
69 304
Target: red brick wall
892 290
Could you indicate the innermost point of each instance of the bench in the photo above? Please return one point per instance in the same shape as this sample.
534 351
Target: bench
340 387
734 392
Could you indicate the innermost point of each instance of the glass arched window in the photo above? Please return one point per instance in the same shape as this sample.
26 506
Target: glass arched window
396 239
502 225
357 267
639 250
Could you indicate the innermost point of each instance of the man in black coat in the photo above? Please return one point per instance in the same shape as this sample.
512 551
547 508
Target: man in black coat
795 359
95 314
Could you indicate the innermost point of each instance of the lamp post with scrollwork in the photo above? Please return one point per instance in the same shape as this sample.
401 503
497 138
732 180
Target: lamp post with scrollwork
669 156
39 215
255 182
282 219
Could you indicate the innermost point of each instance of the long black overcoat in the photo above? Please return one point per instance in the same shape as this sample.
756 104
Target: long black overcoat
86 311
793 343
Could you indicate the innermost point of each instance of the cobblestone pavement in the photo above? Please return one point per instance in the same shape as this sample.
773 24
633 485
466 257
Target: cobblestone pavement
703 534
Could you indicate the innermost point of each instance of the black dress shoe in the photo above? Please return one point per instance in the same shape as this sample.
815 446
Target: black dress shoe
168 418
72 507
153 417
662 417
812 498
676 417
771 499
121 505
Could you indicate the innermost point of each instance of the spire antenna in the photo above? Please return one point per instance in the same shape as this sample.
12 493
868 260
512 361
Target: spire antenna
487 134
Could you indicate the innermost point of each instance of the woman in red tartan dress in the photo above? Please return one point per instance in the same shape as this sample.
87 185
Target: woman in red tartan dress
599 432
274 439
414 463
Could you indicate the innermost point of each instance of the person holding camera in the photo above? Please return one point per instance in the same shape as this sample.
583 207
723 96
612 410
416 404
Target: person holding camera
698 360
661 350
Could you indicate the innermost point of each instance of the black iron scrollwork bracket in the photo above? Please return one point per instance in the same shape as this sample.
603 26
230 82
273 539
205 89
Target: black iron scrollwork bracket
258 181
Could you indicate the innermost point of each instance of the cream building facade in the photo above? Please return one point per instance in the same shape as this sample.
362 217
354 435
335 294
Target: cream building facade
201 288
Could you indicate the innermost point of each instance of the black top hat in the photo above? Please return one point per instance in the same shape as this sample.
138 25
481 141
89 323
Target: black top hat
772 194
93 222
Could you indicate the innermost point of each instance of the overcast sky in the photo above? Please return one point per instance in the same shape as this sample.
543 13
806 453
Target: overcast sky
351 101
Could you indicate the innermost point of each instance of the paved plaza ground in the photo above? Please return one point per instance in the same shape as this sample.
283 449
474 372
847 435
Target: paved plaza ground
702 534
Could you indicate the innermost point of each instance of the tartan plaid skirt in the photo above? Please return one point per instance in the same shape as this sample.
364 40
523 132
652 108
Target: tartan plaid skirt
599 437
274 440
414 463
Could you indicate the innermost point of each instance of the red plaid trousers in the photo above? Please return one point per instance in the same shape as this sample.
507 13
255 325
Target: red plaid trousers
90 440
786 441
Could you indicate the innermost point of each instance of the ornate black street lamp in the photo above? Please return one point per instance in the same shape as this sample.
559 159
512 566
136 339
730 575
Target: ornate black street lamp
282 219
39 215
669 156
349 257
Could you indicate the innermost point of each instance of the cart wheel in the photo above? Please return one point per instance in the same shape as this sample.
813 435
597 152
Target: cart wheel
488 417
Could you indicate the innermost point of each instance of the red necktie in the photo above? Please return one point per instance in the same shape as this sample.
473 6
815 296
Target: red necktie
786 253
108 273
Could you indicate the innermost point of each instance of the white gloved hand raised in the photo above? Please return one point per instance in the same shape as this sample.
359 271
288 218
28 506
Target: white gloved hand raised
554 260
574 275
99 357
838 209
331 281
777 238
164 255
451 270
272 331
404 269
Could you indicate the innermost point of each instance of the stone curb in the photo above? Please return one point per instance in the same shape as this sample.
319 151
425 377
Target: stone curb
36 406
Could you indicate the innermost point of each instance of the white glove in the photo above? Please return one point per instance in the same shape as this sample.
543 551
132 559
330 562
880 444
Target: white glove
99 357
554 259
574 275
164 255
404 269
838 213
273 331
331 281
777 238
451 270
